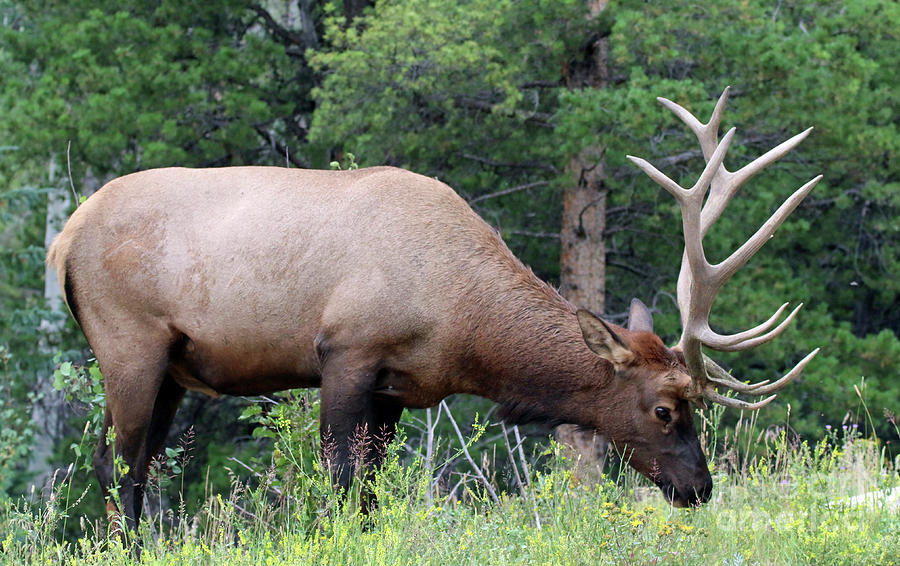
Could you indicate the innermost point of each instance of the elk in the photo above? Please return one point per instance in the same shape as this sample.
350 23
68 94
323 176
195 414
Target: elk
384 289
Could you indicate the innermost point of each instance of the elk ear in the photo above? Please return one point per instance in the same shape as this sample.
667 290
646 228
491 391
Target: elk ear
639 317
602 340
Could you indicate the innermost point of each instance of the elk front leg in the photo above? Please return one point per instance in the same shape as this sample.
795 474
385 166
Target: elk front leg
356 425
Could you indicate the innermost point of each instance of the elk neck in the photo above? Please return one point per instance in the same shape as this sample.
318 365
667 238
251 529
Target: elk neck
524 350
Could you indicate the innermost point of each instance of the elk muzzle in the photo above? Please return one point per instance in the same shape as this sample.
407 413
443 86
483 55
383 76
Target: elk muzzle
686 482
691 494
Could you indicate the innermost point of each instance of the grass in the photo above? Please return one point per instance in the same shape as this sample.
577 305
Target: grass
777 501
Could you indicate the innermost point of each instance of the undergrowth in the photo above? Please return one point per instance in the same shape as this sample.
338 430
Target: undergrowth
778 500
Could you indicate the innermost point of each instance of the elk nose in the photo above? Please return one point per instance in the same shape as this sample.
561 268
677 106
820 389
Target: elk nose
706 491
701 493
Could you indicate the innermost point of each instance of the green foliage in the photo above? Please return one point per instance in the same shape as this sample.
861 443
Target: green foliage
292 424
422 73
21 279
790 504
459 92
22 314
82 383
474 93
349 163
17 430
136 85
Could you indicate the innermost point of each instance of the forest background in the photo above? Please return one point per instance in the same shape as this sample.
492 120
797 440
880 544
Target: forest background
527 108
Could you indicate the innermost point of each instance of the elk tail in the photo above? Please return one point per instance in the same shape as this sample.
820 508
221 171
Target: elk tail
58 259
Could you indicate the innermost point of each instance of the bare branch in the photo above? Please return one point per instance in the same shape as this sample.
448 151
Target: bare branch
545 235
519 441
509 191
627 267
69 166
282 32
515 165
537 118
282 149
542 84
465 449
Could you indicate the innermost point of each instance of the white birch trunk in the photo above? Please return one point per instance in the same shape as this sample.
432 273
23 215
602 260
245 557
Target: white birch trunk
48 409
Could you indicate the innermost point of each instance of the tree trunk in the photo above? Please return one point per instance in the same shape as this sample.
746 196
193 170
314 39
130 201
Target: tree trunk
50 411
47 410
583 253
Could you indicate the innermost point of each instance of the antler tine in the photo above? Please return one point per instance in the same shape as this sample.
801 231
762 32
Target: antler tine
713 165
721 377
718 375
707 133
736 403
661 178
699 188
788 377
727 183
749 338
747 172
734 262
689 119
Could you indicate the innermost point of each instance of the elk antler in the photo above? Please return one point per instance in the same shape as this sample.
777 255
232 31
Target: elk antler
699 281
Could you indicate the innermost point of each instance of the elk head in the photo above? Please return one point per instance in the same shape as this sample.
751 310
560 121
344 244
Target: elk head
673 456
657 433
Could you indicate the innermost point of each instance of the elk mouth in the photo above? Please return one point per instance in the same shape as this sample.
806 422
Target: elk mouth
690 497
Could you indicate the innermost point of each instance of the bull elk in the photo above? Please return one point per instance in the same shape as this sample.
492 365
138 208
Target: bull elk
384 289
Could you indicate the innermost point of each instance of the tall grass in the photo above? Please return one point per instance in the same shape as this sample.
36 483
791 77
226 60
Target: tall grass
778 500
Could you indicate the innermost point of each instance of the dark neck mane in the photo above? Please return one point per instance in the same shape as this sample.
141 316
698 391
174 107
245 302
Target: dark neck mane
531 358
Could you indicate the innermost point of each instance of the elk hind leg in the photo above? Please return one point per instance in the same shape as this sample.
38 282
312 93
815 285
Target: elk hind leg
133 414
167 401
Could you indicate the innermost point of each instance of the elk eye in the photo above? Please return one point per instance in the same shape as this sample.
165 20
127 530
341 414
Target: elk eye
662 414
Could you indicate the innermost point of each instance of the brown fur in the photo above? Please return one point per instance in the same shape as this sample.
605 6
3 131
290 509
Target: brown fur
380 286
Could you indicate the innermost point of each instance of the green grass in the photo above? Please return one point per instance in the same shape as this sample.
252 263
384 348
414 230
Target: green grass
777 507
